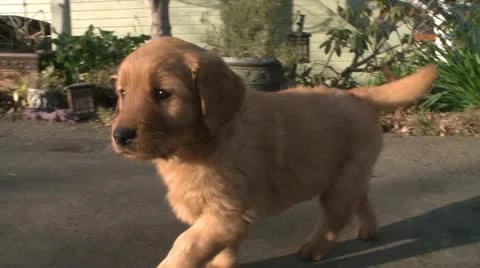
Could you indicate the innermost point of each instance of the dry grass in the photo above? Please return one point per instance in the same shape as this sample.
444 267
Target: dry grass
433 124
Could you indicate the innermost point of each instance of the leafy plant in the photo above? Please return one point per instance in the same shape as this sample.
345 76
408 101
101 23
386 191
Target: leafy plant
374 25
457 87
104 93
248 29
96 48
47 79
463 25
19 95
305 77
394 70
458 84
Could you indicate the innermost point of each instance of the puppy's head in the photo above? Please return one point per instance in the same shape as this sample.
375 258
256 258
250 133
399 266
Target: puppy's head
172 95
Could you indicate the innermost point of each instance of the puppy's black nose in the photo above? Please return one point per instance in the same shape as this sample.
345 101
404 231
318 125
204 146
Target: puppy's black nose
123 136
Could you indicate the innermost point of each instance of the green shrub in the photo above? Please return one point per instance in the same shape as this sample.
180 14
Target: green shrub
250 29
457 87
398 69
247 28
370 43
464 25
458 84
95 49
92 57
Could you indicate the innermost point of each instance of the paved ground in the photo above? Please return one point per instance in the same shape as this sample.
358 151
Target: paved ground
67 201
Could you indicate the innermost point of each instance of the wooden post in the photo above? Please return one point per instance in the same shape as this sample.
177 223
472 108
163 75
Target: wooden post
159 18
61 21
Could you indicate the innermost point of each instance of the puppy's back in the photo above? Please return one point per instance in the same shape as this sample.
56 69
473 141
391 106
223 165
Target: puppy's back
301 139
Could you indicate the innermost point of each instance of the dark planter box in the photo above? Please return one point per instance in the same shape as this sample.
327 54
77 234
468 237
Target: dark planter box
265 74
80 100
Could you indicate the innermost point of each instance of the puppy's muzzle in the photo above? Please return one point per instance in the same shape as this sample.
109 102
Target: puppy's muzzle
124 136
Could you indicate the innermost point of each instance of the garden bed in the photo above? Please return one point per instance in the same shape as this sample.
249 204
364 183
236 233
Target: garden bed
416 123
410 123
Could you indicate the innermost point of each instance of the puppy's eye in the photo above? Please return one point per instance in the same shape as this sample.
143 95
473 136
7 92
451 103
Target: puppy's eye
121 92
161 93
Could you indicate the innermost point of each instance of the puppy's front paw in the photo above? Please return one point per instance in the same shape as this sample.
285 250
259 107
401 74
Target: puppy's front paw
314 250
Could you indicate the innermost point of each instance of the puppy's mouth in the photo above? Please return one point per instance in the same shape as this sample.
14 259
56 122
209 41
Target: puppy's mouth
124 151
130 154
127 151
135 154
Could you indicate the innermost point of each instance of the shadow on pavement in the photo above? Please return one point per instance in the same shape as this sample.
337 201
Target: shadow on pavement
446 227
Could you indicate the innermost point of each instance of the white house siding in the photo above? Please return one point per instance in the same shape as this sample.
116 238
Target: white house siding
35 9
131 16
321 17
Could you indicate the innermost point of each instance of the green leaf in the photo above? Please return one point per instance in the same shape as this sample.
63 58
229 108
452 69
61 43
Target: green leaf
327 45
338 51
457 86
341 11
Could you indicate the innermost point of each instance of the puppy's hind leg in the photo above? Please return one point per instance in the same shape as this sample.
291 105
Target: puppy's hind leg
324 235
338 203
367 224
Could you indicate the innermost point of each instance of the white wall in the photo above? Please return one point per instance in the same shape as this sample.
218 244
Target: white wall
36 9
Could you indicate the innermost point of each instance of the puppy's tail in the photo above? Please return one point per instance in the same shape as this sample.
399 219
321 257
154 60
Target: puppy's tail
399 93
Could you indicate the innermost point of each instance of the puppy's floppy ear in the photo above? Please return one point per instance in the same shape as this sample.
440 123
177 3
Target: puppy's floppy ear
221 91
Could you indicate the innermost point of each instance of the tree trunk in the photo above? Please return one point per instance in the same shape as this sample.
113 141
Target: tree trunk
159 18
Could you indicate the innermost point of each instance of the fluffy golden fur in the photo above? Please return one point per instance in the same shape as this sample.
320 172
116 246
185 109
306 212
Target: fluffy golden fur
230 155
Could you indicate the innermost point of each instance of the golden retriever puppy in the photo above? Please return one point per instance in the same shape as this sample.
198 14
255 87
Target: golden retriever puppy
230 155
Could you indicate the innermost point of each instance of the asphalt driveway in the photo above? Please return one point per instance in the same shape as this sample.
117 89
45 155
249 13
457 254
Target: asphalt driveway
67 201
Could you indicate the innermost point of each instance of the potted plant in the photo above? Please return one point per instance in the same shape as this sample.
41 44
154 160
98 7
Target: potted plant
87 62
250 42
103 79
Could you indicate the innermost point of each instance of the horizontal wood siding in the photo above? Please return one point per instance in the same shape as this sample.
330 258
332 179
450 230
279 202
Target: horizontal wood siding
35 9
321 17
131 17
